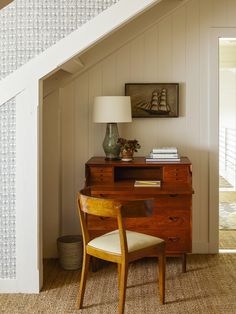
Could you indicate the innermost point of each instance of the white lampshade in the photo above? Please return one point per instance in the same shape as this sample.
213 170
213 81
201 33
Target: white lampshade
112 109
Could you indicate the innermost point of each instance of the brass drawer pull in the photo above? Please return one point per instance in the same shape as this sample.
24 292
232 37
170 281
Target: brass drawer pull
173 239
173 195
173 218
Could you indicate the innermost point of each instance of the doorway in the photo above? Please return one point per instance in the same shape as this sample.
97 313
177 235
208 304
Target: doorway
227 144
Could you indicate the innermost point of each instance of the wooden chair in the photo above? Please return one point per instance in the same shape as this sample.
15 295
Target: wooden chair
119 246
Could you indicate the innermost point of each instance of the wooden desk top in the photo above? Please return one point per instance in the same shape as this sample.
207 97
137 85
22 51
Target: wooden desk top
137 161
127 188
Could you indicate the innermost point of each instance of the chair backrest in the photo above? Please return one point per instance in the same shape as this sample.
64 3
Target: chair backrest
114 208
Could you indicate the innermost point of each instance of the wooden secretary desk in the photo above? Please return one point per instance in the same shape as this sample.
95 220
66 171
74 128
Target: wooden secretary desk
171 218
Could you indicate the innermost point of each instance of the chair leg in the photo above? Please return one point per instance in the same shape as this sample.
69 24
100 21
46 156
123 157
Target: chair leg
184 262
119 272
122 287
162 266
84 273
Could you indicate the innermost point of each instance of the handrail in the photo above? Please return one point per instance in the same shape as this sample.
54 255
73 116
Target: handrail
227 153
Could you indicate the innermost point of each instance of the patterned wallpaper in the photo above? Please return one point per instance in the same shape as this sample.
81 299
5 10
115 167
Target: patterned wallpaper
7 190
28 27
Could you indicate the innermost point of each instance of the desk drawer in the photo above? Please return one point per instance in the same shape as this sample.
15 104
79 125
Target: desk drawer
100 175
160 203
168 220
176 174
177 241
172 201
164 220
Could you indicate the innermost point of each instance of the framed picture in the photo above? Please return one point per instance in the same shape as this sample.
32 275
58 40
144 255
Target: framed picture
153 100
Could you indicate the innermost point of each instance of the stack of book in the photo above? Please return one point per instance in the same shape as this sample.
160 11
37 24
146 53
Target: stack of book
163 154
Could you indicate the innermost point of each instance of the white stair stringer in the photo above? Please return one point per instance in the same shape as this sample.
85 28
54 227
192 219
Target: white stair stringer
78 41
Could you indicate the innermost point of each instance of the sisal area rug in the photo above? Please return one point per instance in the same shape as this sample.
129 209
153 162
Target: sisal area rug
209 286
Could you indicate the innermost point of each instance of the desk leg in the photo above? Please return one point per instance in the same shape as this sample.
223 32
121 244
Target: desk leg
94 263
184 262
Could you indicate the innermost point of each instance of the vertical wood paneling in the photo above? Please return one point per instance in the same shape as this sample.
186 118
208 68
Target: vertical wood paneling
205 23
137 59
122 69
122 77
51 175
81 131
68 223
179 55
96 131
192 100
179 74
165 69
219 10
231 13
165 50
179 45
150 55
173 50
109 85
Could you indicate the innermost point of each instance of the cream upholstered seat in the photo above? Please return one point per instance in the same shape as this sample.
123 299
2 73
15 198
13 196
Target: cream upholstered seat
110 242
119 246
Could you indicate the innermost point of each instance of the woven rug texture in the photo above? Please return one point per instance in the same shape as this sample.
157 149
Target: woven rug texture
209 286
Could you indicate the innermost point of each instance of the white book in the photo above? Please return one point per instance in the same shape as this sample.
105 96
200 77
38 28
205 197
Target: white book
163 155
147 183
164 150
162 159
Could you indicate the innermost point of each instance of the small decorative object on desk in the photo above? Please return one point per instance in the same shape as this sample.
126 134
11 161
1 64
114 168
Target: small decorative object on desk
127 148
163 154
147 183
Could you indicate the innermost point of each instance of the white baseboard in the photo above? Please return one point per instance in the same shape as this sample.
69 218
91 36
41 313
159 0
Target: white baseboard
200 248
9 286
213 247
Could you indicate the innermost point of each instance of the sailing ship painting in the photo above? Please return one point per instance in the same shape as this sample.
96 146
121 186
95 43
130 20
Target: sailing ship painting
157 105
153 99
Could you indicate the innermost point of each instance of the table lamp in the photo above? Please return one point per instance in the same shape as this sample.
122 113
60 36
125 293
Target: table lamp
112 110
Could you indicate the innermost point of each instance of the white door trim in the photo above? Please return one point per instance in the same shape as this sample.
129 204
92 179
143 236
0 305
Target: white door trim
27 190
215 34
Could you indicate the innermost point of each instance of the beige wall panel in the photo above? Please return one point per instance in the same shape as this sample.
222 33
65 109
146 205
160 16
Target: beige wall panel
150 69
122 68
96 131
179 44
51 174
231 13
175 49
81 130
165 50
179 74
192 112
219 13
109 76
122 77
137 59
69 218
205 10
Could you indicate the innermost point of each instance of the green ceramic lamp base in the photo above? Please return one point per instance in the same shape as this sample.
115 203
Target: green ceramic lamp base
110 145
